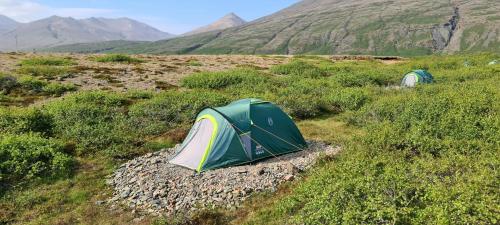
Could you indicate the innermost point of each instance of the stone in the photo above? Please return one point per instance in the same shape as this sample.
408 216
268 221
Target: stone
100 202
125 193
259 171
151 185
292 169
289 177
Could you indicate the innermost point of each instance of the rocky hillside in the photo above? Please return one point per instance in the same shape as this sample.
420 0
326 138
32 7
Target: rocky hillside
228 21
54 31
7 24
379 27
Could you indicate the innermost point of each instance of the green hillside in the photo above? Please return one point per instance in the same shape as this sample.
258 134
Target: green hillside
375 27
98 47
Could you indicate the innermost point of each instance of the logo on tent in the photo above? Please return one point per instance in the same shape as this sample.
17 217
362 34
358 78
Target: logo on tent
259 150
270 121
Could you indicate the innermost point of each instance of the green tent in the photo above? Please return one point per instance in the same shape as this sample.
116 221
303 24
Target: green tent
241 132
414 77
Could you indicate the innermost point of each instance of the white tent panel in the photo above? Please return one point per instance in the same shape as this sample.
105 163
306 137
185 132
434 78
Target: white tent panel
410 81
193 151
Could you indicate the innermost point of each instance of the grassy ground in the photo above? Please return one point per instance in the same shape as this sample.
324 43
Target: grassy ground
406 151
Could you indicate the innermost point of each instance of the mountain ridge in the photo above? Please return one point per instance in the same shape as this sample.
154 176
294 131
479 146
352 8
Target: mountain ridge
228 21
375 27
56 30
7 24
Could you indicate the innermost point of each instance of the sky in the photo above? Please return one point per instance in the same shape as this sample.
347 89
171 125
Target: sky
173 16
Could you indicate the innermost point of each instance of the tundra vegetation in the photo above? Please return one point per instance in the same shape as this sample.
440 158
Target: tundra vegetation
117 58
422 155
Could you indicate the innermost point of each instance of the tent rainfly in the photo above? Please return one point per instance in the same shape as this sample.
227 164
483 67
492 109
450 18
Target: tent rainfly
241 132
414 77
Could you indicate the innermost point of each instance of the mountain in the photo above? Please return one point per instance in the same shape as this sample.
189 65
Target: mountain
7 24
377 27
55 31
228 21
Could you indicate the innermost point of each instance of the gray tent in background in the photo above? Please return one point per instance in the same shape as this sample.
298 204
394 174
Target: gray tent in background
415 77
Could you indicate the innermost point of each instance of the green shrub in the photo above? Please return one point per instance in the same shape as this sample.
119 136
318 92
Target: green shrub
299 68
33 84
19 121
365 78
28 156
47 61
57 89
364 188
7 83
429 156
458 118
158 145
302 99
95 122
363 73
47 72
118 58
343 99
218 80
170 109
194 63
139 94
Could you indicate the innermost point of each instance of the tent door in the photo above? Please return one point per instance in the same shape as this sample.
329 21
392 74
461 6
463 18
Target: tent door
247 144
410 81
193 151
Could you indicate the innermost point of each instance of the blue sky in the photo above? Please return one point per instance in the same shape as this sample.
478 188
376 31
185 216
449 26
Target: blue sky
169 15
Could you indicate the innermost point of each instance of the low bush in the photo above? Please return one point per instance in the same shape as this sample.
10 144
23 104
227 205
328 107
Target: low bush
56 89
343 99
95 122
364 188
31 120
219 80
32 84
299 68
118 58
7 83
159 145
139 94
435 119
194 63
47 61
28 156
361 79
429 156
47 72
171 109
303 99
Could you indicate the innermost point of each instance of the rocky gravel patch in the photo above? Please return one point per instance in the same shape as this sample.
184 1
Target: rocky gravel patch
149 183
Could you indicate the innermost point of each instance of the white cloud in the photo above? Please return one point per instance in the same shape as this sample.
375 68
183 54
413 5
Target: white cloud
28 10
